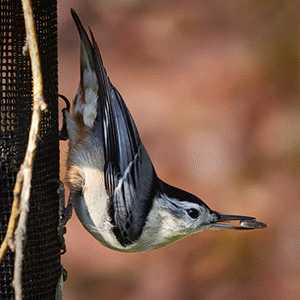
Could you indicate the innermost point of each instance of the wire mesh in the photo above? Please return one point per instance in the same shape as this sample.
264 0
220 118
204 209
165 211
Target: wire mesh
42 254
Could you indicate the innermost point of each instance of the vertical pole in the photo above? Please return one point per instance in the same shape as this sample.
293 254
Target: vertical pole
42 254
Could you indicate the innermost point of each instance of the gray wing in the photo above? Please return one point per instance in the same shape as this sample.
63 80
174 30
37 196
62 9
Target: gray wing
130 178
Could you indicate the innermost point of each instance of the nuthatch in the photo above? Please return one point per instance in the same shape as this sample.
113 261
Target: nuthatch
115 190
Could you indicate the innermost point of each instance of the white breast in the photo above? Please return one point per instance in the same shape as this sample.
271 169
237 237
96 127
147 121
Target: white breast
92 208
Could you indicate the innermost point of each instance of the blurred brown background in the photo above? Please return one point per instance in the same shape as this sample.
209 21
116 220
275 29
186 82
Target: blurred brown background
214 89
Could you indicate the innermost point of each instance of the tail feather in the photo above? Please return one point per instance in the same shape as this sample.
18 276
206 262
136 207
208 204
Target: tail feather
90 88
86 51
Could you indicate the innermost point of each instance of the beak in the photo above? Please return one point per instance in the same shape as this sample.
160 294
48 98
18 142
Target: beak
244 222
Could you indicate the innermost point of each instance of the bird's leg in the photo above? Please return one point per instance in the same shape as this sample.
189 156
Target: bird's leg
63 133
65 214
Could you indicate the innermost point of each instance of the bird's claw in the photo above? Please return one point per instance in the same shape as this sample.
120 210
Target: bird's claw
63 133
65 214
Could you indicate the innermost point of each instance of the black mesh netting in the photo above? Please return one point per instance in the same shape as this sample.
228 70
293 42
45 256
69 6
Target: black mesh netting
42 259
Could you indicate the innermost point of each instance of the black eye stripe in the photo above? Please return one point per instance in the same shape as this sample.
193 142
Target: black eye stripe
193 213
174 204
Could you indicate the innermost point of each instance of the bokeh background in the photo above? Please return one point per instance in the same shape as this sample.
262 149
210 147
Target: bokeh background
214 89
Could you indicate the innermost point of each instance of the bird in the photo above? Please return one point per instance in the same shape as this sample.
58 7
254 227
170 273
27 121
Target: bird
114 188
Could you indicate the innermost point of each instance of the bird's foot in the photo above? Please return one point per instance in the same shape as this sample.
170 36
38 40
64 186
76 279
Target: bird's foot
65 214
63 133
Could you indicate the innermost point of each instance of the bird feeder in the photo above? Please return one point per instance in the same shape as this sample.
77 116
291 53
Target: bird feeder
41 266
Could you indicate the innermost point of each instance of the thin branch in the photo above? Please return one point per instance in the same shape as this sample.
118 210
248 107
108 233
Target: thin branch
20 206
8 239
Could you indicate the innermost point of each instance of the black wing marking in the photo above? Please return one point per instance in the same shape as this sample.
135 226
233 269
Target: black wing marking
133 194
129 175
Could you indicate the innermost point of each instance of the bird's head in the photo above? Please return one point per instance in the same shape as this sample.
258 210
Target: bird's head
182 214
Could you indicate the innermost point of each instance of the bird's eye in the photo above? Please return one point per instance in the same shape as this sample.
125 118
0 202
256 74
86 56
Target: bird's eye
193 213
